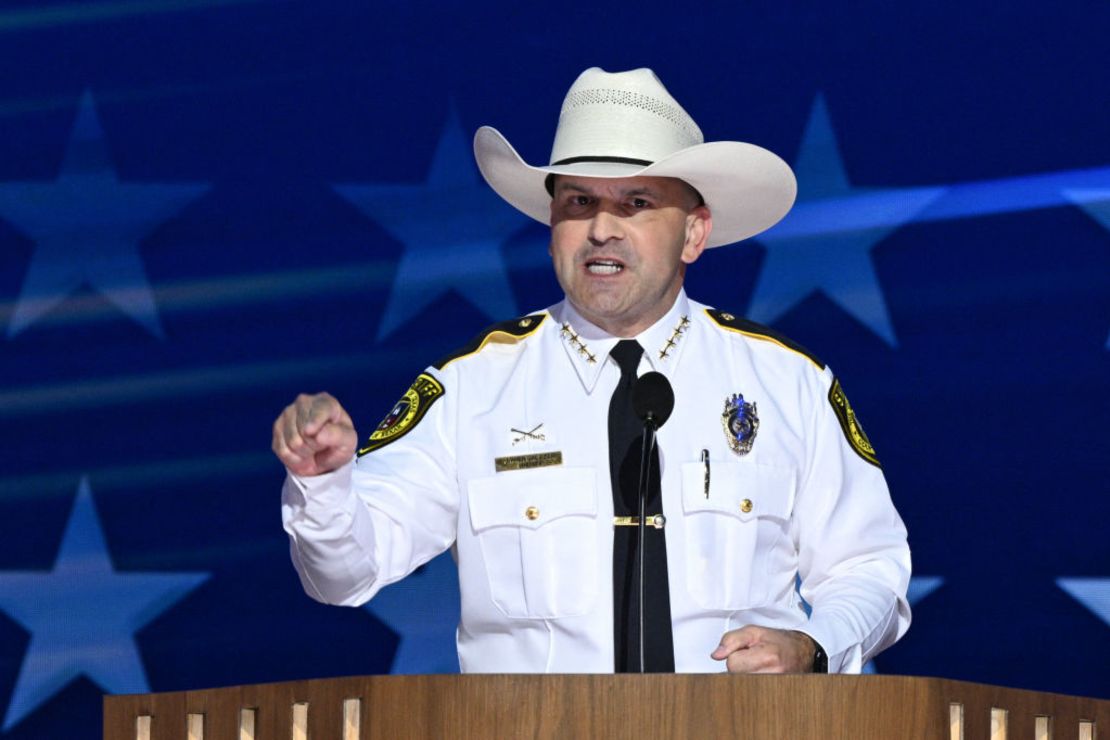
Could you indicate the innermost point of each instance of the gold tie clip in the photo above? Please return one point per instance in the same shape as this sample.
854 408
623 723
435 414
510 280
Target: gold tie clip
658 521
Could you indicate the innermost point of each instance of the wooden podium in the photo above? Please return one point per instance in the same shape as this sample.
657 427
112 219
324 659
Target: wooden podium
637 707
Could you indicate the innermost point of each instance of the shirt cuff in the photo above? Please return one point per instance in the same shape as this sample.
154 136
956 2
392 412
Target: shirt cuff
318 491
846 658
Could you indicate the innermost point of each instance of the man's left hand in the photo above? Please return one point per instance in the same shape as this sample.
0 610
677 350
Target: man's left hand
755 649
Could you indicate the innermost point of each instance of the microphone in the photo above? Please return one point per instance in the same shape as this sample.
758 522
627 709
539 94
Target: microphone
652 402
653 399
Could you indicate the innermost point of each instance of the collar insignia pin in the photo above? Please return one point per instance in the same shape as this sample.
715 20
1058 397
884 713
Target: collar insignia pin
741 422
676 335
566 332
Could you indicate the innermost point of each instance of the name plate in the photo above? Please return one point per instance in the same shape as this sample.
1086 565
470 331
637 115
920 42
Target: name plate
524 462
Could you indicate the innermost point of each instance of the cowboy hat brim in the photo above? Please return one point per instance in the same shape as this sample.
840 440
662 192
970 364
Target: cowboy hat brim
747 188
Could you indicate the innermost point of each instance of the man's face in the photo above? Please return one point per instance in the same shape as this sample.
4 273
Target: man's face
620 246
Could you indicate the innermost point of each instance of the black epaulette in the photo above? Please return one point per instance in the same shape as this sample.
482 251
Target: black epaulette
734 323
506 332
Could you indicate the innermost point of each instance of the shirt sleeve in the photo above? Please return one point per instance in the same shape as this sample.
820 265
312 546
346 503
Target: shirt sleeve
382 515
854 560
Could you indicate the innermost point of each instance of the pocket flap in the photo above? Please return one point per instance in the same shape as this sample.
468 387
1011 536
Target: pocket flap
742 489
531 498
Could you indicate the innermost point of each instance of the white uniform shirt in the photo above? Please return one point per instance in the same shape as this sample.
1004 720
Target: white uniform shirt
534 546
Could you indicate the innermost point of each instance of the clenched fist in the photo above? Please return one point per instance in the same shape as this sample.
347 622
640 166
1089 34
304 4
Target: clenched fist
755 649
314 435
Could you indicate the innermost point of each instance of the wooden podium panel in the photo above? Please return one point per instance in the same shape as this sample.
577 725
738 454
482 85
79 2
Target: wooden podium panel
632 707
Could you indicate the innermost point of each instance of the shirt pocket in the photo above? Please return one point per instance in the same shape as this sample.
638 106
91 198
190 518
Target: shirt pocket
731 533
538 533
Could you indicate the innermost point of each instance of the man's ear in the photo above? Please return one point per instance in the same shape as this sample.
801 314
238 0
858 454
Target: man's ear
699 224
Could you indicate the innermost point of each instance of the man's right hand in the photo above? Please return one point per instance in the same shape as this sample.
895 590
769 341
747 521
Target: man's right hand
314 435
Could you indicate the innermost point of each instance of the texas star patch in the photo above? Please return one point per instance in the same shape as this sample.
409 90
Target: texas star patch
406 413
853 430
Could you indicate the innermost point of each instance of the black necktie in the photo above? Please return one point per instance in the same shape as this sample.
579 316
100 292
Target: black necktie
626 433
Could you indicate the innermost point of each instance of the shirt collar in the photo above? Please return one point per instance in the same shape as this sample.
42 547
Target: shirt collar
588 345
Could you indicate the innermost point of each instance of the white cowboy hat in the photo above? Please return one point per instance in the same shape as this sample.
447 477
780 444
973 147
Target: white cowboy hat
626 124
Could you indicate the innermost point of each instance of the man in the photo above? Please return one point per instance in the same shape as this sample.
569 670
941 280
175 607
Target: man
522 454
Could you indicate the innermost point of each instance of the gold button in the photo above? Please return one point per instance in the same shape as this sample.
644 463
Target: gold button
746 505
728 317
525 323
659 521
532 513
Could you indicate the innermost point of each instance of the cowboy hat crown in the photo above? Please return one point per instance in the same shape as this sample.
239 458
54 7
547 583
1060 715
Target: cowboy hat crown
626 124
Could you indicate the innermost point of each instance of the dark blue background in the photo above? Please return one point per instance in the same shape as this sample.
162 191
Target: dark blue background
984 388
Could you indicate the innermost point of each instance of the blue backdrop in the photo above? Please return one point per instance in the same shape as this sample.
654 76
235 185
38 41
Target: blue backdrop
207 207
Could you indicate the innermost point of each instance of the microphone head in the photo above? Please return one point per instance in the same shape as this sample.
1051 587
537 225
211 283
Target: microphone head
653 398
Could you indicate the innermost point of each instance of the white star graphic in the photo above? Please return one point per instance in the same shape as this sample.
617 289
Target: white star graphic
825 243
82 615
1096 203
424 610
452 228
1093 593
87 226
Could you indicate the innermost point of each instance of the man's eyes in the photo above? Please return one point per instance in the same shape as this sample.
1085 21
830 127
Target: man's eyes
586 201
577 202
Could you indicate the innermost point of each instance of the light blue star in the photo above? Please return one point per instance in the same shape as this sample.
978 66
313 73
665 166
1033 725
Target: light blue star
1096 203
1093 593
83 615
825 243
920 587
424 610
87 226
452 228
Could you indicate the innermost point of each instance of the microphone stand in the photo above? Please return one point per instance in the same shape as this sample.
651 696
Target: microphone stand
646 450
652 401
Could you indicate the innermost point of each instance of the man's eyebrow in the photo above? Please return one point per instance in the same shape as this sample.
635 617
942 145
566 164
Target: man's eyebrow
632 192
563 185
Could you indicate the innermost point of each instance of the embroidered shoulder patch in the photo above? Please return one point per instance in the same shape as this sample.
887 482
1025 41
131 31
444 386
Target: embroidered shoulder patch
406 413
733 323
853 430
506 332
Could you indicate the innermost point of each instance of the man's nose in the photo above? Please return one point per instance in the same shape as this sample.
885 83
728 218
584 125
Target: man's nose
605 226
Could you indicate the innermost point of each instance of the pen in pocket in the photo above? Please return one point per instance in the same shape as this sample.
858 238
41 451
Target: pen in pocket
705 462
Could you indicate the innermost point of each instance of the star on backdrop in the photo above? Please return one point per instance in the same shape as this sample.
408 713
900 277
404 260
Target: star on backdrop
1093 593
87 226
423 610
825 243
83 614
919 588
922 586
452 228
1096 204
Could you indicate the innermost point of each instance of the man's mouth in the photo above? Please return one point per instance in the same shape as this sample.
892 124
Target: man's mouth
603 267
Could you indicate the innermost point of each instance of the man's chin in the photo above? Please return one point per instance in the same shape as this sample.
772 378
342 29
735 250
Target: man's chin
601 311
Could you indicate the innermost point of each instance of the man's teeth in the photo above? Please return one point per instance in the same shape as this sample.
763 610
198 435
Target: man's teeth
604 268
